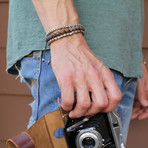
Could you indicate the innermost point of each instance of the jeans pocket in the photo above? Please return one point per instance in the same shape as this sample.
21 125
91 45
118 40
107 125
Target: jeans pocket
29 67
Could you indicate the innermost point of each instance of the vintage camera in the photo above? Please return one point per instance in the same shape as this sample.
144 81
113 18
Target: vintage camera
102 130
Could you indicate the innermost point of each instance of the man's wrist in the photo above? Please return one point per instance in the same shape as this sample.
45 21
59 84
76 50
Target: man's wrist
63 31
73 39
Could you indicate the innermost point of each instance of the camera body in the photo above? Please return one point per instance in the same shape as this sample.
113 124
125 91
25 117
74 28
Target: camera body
102 130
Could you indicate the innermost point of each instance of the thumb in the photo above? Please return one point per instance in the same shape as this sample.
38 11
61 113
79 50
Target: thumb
141 91
144 102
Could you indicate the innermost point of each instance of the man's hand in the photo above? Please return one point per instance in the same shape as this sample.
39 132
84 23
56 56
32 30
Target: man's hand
78 69
75 66
140 108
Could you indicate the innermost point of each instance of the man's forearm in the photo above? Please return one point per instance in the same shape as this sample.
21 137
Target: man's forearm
55 13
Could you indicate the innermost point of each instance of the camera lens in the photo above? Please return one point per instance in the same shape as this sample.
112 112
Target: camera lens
89 138
88 142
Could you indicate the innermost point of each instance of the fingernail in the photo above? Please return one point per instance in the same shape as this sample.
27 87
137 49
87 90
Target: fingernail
144 102
70 114
141 118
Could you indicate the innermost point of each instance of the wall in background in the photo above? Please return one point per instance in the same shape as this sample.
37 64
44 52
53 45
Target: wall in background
15 97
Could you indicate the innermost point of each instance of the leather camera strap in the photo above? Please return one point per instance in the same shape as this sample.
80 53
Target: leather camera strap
23 140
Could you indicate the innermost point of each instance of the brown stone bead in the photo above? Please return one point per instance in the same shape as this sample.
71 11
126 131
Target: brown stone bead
53 35
62 31
81 28
57 33
48 38
73 28
66 30
77 27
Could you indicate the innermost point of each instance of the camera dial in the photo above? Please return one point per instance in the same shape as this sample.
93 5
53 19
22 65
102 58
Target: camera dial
89 138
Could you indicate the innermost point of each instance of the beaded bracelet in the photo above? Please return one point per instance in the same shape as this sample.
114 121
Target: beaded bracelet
63 31
64 35
63 27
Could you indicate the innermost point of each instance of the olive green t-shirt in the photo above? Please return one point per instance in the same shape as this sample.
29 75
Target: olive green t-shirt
114 32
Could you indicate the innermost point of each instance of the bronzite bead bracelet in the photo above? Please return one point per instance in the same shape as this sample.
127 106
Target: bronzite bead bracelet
63 31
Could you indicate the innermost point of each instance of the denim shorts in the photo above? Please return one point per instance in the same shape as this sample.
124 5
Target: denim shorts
42 82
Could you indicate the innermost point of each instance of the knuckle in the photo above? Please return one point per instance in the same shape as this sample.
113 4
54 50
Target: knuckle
67 103
107 70
93 73
110 74
80 75
65 78
117 97
107 74
102 104
66 75
84 105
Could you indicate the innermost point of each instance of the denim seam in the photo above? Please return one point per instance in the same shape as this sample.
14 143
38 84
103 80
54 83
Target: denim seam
127 84
37 84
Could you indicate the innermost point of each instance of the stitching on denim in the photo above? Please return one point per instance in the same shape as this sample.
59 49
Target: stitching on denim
132 87
37 84
127 85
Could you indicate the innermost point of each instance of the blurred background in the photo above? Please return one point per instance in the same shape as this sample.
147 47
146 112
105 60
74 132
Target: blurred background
15 96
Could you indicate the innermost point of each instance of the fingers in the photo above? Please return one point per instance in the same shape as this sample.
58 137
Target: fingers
105 92
142 88
144 102
99 98
142 91
136 112
83 99
112 90
67 94
83 103
143 98
139 112
144 114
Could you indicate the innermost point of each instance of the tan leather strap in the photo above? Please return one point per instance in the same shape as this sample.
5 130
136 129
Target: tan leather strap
23 140
43 133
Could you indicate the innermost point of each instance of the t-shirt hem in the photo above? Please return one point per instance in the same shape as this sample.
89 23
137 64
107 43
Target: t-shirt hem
11 69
